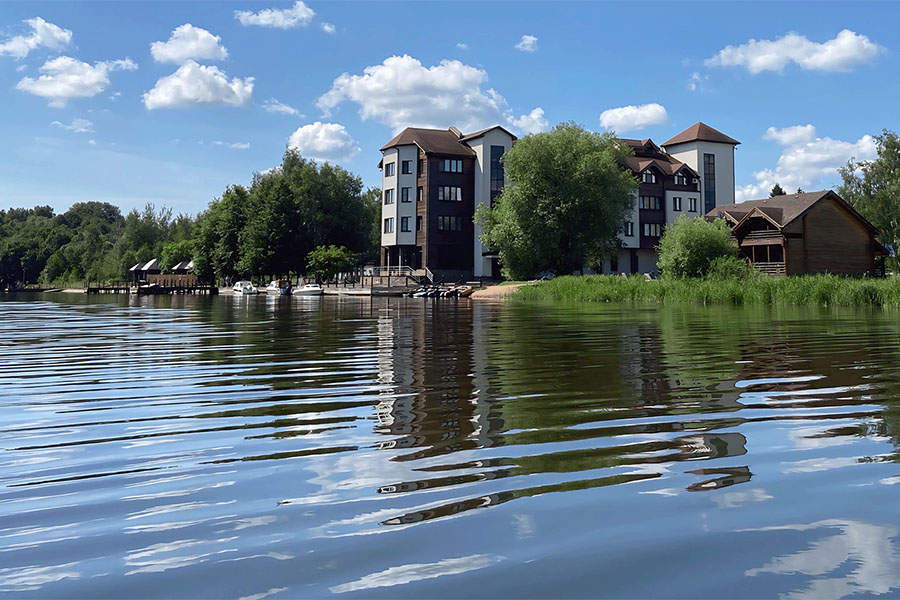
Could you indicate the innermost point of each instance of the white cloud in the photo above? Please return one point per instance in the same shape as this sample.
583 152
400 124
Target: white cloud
528 43
188 42
401 92
298 15
43 34
696 80
632 118
462 46
324 141
115 96
533 122
274 106
327 28
233 145
806 161
65 77
76 126
198 85
92 142
847 50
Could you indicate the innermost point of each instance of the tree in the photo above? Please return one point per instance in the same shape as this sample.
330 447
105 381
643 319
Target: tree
689 246
327 261
777 190
567 197
873 188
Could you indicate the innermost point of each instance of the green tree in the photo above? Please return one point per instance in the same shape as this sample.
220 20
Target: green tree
688 247
777 190
566 199
327 261
873 188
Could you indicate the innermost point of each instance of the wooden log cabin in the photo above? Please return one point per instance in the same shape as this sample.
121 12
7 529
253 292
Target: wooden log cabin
796 234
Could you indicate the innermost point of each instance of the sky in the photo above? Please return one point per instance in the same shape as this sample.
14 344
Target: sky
172 102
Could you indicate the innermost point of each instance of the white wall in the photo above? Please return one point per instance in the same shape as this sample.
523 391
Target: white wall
632 241
692 153
389 210
672 214
406 209
482 148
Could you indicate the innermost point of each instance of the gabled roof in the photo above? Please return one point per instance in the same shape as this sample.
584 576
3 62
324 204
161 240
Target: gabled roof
431 141
137 267
703 133
668 167
478 134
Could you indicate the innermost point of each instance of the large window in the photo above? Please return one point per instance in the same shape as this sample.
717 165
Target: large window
451 165
648 177
449 193
389 196
709 182
680 179
649 202
449 223
389 169
406 167
652 230
404 223
676 203
628 228
496 168
404 194
389 225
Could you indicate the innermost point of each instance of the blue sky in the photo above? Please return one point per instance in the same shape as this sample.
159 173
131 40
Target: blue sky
92 111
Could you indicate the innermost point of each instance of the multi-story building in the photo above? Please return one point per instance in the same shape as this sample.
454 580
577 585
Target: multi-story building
433 180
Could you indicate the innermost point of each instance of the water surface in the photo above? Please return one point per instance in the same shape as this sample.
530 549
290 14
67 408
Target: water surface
268 447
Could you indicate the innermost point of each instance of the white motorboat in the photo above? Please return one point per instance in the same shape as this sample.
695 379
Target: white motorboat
310 289
245 288
279 287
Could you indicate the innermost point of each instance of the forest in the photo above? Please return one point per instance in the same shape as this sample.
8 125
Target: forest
267 229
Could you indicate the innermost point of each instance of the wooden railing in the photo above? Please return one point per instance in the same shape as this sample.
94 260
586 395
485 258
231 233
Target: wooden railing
763 234
770 268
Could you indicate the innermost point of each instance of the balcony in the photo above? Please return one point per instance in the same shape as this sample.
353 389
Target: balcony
770 268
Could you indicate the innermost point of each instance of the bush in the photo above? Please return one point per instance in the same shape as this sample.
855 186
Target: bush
731 267
689 246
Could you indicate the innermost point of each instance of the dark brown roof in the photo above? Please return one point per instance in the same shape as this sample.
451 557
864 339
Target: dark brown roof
478 134
431 141
669 165
781 209
701 132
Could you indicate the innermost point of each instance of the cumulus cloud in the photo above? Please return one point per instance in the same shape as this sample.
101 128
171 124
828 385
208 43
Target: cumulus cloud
462 46
533 122
233 145
43 34
76 126
807 161
696 80
632 118
324 141
528 43
274 106
845 51
187 42
65 77
299 15
327 28
400 92
198 85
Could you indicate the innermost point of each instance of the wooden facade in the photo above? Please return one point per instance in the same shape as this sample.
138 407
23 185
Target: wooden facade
797 234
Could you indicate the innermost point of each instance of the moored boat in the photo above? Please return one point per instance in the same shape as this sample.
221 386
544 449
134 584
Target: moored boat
279 287
245 288
310 289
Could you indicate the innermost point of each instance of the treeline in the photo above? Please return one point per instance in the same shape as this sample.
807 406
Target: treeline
268 228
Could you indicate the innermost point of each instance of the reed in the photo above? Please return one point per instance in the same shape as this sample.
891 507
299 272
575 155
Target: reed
815 290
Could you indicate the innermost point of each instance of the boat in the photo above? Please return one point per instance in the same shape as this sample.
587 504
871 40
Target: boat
245 288
466 292
279 287
310 289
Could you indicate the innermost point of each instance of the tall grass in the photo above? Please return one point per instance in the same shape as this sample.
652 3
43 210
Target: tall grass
817 290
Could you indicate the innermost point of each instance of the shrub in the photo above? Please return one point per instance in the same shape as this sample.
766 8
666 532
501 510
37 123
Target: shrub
689 246
731 267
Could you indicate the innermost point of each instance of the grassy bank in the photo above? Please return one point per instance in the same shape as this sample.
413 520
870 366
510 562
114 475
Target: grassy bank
814 290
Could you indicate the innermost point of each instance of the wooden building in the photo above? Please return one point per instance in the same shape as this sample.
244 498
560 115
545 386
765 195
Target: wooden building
796 234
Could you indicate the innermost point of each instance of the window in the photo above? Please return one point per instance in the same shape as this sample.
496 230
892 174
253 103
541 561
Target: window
419 223
406 167
389 225
449 193
421 166
389 170
649 202
676 203
404 223
651 229
680 179
449 223
451 165
628 228
404 194
709 182
496 168
692 205
419 193
389 196
648 177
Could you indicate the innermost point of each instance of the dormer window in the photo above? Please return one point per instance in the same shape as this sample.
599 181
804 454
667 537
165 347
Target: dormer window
680 179
648 177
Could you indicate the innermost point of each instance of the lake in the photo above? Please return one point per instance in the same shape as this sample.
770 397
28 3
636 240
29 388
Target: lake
262 447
